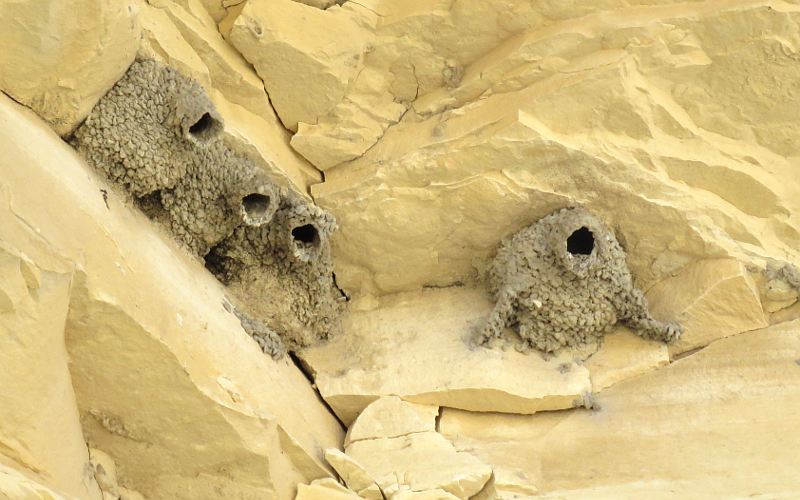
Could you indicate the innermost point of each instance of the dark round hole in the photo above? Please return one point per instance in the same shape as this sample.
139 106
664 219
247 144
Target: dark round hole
256 205
203 125
305 234
580 242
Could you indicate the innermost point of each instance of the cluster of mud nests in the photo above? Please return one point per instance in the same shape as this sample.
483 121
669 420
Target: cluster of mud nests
563 282
157 135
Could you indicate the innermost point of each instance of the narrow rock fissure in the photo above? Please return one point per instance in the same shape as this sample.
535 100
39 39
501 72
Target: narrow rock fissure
308 374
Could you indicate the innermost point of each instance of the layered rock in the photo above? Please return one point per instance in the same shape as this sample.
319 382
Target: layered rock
700 426
418 346
631 111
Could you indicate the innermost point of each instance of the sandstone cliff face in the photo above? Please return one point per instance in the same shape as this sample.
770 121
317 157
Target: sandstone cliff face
431 130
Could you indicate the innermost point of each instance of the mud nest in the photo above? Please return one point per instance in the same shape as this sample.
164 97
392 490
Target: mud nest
158 137
563 282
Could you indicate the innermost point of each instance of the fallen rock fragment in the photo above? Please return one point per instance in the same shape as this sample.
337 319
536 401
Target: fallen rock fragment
353 474
399 447
712 299
421 461
324 489
390 417
416 345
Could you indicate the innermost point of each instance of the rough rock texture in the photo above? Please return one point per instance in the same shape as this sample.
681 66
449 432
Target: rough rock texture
563 281
157 135
165 380
410 458
665 118
720 423
712 299
353 474
41 410
624 355
324 489
417 346
59 58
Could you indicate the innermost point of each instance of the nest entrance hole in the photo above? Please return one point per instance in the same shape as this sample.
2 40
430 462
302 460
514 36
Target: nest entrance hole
580 242
205 128
256 206
306 234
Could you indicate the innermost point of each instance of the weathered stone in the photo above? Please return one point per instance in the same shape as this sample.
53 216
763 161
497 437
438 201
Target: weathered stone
633 116
421 461
424 495
37 403
711 299
324 489
417 346
15 485
390 416
306 57
60 57
624 355
166 381
719 423
353 474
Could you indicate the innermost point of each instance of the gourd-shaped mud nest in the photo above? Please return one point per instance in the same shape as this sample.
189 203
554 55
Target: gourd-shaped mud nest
563 282
158 137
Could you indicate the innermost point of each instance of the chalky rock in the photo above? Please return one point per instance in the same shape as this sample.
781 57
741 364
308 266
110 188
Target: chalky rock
563 282
157 135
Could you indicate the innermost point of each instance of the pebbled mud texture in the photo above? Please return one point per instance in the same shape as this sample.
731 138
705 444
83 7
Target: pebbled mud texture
563 282
158 137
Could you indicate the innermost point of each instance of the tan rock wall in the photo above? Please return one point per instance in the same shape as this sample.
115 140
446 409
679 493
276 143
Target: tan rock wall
60 57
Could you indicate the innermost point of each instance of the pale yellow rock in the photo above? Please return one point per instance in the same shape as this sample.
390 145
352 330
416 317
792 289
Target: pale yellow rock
306 57
420 461
105 473
721 423
417 346
324 489
353 474
16 486
39 423
711 299
148 339
163 41
624 355
617 108
506 485
424 495
789 314
390 416
60 57
229 72
353 126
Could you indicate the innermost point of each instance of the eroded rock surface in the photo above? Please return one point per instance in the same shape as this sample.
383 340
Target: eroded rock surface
678 419
418 346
